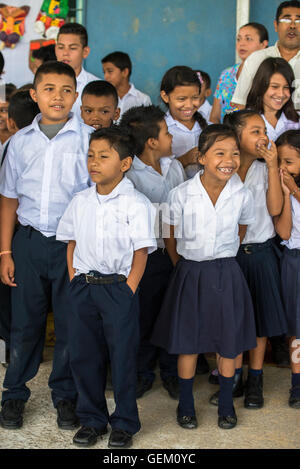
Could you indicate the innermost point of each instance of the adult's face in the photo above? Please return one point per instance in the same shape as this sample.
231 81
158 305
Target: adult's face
289 32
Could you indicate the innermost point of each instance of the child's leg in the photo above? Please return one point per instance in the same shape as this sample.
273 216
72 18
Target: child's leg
294 400
257 355
186 372
254 384
226 377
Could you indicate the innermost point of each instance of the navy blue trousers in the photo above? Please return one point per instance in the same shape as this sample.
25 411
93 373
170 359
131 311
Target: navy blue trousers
42 279
152 290
5 313
103 323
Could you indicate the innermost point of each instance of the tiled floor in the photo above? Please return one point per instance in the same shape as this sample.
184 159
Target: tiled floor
274 426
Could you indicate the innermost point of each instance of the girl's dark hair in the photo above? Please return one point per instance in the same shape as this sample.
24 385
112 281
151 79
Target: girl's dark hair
119 139
237 120
182 76
214 133
291 138
45 53
261 82
261 30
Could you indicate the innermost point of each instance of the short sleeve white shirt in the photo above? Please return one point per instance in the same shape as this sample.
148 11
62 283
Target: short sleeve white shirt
283 124
204 231
294 241
156 186
133 98
257 182
205 110
45 174
251 66
108 230
83 79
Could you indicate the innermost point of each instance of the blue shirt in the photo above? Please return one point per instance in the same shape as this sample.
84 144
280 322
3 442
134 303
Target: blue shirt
45 174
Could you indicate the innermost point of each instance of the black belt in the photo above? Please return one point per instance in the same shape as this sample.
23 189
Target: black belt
292 252
254 247
96 278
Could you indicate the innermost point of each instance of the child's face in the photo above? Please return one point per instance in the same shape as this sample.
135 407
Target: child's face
248 41
99 111
70 50
3 116
253 136
289 160
55 95
183 102
104 164
277 94
114 75
222 160
164 140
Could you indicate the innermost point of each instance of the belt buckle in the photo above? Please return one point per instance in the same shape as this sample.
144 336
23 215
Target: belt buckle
88 278
246 249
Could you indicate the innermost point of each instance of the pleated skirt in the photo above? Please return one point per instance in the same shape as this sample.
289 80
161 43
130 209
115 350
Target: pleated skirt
207 308
290 277
260 264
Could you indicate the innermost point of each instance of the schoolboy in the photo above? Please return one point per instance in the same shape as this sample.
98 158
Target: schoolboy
154 174
44 167
206 91
72 48
117 68
109 229
99 104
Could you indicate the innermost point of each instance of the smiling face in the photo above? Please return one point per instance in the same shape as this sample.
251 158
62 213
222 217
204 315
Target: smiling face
248 41
277 94
289 33
99 111
253 136
289 160
222 160
55 95
69 49
183 102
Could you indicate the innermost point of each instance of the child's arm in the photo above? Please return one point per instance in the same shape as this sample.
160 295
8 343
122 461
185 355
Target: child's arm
171 244
137 268
8 218
215 115
274 193
190 157
70 253
284 223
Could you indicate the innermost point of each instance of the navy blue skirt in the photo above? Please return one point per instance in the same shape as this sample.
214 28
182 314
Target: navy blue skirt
207 308
290 277
260 264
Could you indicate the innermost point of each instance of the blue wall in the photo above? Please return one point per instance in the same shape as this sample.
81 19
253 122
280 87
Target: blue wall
162 33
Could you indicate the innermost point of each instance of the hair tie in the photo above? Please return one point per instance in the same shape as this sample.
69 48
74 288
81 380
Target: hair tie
200 78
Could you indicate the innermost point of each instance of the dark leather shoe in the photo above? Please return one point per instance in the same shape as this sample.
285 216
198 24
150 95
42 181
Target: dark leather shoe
11 416
294 401
254 392
202 365
88 436
66 417
119 439
189 422
227 422
172 386
237 390
142 387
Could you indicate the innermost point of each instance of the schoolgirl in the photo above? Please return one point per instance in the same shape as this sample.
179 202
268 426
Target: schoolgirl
208 307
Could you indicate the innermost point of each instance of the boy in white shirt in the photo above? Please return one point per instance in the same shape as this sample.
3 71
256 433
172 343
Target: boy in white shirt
117 68
72 48
110 230
44 167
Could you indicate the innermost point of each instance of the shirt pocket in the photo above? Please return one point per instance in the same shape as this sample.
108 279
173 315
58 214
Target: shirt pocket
73 169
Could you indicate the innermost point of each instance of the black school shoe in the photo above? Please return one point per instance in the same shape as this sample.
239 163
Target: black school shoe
227 422
294 401
11 416
119 439
142 387
66 417
171 384
237 390
188 422
254 392
88 436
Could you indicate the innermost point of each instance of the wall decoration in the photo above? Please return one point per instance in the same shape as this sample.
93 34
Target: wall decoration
51 17
12 24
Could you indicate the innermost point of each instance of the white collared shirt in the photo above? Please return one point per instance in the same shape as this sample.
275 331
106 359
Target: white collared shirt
204 231
45 174
83 79
257 182
156 186
108 230
294 241
133 98
283 124
251 66
205 110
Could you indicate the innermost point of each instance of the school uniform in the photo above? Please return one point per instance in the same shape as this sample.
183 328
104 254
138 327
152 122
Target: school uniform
43 175
259 259
133 98
103 313
283 124
205 110
159 267
290 269
82 80
184 140
207 307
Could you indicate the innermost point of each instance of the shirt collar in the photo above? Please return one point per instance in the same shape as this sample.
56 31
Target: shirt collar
233 185
73 124
165 163
279 54
125 187
82 76
170 121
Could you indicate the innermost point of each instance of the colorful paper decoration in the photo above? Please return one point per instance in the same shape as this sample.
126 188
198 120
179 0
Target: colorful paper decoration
51 17
12 24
